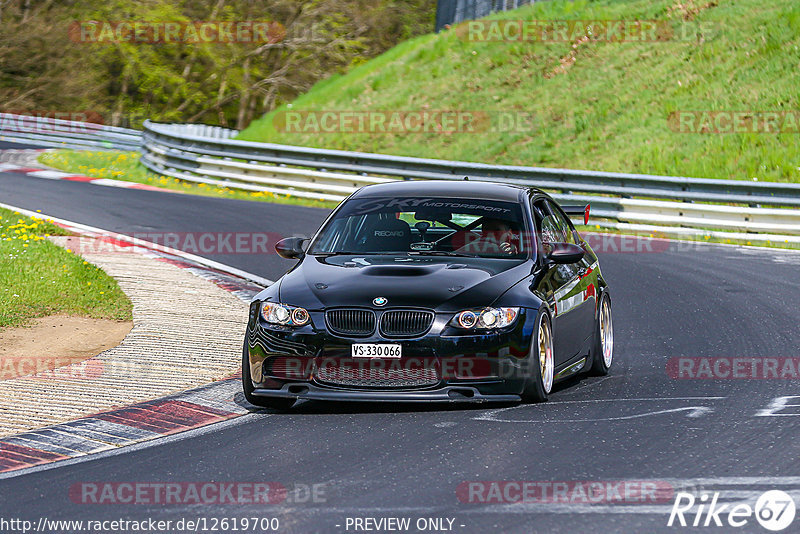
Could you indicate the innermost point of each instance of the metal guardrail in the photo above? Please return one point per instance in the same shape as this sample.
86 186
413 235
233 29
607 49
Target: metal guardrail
178 145
175 150
59 133
634 199
455 11
756 211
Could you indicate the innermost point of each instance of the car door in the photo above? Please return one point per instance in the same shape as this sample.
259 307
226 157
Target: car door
579 296
560 283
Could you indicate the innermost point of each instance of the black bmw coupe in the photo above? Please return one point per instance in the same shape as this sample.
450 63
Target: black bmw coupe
431 291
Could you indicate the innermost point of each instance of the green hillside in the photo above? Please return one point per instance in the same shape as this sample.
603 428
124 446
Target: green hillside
589 104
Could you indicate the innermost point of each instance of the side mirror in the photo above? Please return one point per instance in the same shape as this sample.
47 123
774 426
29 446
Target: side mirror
290 248
565 253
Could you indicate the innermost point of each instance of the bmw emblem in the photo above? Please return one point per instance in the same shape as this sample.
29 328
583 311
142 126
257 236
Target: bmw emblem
379 301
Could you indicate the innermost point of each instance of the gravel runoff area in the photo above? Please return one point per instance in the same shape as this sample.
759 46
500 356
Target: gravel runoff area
25 157
187 331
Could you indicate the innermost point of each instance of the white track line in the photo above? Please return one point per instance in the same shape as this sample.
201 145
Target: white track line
213 427
147 244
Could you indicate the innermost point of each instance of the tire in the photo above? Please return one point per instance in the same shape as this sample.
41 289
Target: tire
602 353
247 387
541 364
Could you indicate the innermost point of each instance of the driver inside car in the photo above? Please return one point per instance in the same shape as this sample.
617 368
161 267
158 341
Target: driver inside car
496 237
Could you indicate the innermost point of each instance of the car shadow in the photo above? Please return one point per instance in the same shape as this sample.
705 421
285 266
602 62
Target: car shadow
332 407
335 407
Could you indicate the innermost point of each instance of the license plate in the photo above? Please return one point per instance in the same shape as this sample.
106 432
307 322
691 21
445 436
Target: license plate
376 350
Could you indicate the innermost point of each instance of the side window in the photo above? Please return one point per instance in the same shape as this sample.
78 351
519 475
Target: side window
562 223
547 226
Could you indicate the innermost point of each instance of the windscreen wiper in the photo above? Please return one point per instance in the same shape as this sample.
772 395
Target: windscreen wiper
357 253
336 253
443 253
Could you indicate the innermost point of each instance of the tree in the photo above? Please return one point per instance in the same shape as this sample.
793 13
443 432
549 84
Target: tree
43 66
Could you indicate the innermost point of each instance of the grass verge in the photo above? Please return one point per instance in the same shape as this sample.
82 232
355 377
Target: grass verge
125 166
585 103
39 278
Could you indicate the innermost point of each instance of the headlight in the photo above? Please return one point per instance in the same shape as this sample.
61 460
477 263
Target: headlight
485 318
275 313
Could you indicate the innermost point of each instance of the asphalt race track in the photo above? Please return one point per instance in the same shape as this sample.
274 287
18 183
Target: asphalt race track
156 216
637 424
17 146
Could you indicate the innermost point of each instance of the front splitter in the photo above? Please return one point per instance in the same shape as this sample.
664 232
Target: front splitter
305 390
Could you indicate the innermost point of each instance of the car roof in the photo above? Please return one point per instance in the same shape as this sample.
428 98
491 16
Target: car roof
445 188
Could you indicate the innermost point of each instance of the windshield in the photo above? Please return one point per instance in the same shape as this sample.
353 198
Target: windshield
425 226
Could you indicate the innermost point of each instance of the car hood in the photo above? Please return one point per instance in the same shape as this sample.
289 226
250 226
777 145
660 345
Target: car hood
444 283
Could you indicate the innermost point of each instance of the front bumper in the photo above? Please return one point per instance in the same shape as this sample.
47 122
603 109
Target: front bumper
311 391
501 357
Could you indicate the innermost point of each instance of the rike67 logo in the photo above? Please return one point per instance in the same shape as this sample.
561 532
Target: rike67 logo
774 510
